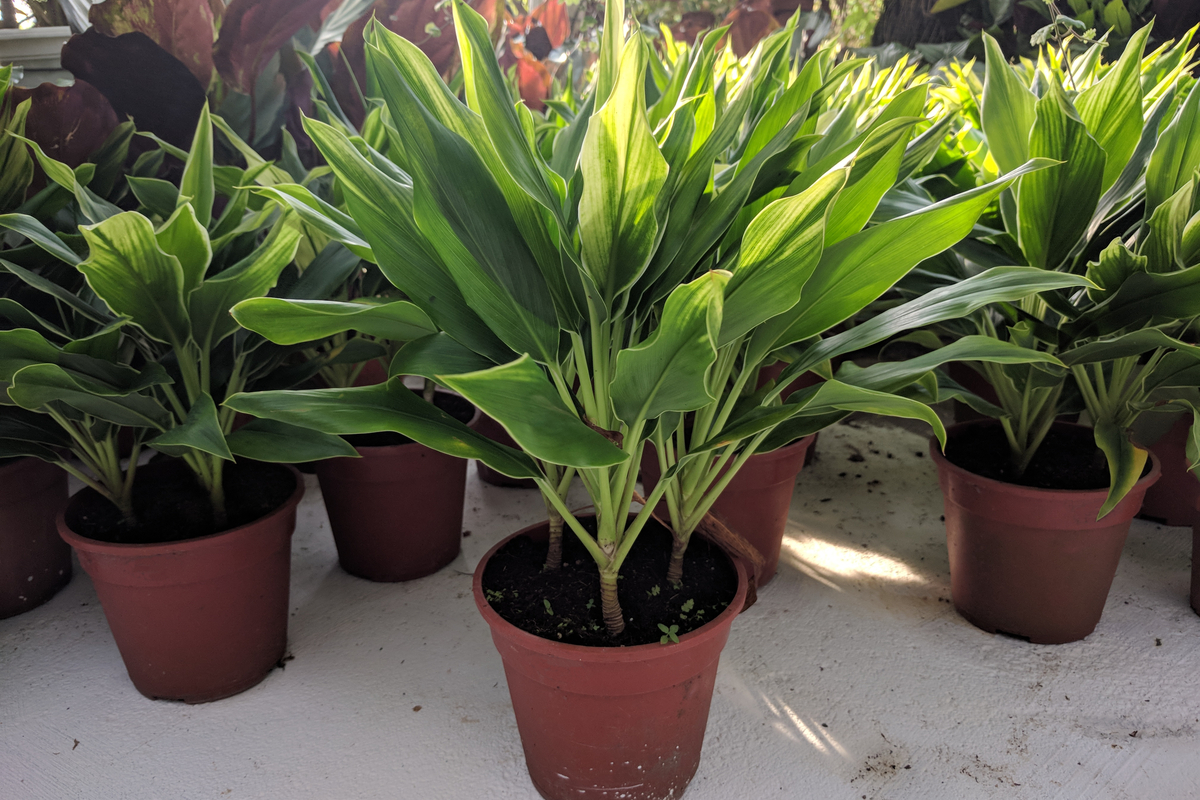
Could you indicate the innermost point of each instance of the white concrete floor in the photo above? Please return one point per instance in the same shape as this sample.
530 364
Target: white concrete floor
851 678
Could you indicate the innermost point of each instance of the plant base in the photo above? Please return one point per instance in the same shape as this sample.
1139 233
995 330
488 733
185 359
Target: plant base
755 505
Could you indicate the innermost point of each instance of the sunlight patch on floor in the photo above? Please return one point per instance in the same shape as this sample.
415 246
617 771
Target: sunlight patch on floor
826 562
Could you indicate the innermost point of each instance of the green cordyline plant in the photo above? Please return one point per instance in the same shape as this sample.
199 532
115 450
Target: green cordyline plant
1120 209
147 343
589 300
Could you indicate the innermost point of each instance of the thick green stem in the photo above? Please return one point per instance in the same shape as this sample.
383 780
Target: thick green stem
610 604
555 549
217 493
675 568
429 390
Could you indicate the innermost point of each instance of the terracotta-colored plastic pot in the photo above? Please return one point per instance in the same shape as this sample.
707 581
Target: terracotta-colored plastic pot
199 619
600 723
1173 499
396 513
1030 562
34 562
755 504
495 431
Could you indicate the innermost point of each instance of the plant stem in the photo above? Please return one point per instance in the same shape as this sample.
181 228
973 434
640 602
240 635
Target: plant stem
610 604
429 390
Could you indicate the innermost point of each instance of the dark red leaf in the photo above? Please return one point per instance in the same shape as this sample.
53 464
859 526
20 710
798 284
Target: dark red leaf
533 79
692 24
253 31
184 28
140 80
69 122
748 23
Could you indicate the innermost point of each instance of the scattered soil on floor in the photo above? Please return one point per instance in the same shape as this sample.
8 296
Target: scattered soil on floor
170 504
454 405
1067 458
564 605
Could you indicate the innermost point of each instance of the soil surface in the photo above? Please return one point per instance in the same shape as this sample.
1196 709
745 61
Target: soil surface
564 606
458 407
170 505
1067 458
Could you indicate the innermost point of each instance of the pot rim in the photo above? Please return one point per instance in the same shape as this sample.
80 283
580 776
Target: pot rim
939 458
98 547
614 654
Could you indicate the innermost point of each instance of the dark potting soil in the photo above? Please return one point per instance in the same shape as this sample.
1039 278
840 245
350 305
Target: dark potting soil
564 605
1067 458
458 407
170 505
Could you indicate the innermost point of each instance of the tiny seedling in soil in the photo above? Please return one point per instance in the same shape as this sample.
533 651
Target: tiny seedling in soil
654 591
669 634
549 610
688 606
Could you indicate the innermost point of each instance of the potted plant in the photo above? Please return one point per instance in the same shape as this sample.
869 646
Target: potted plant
582 304
190 554
1037 511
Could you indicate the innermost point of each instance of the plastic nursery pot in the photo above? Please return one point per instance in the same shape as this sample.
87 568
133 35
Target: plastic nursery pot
495 431
755 504
1031 562
599 723
34 562
199 619
396 512
1173 499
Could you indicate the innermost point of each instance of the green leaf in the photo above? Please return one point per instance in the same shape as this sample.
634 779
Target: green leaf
39 234
521 398
487 94
383 207
860 268
623 172
945 5
1125 463
1008 112
385 407
1177 154
1112 108
1055 205
326 218
1144 299
209 306
436 355
296 321
873 172
37 385
278 442
200 430
156 196
93 207
129 271
612 40
669 371
997 285
1130 344
197 181
462 213
891 376
780 250
184 237
1117 262
1164 232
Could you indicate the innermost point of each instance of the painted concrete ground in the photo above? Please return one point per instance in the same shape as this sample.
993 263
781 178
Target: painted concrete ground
851 678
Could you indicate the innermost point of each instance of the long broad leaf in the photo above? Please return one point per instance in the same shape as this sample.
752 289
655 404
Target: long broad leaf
296 321
669 371
386 407
520 397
